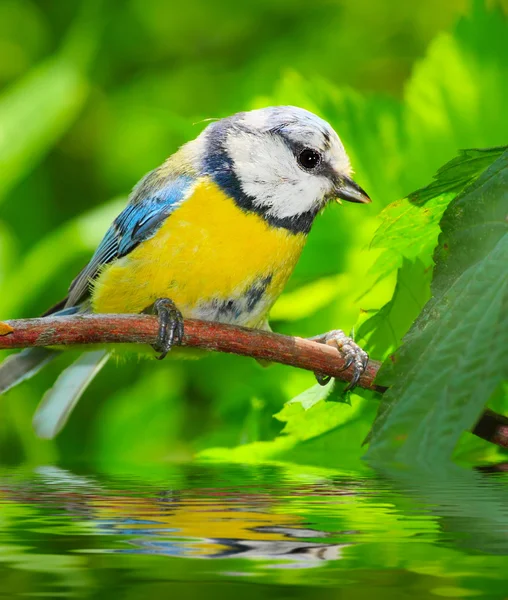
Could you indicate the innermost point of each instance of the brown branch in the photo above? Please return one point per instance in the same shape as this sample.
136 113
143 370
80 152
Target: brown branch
263 345
142 329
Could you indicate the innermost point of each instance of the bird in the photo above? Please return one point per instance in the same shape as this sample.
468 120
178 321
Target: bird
213 233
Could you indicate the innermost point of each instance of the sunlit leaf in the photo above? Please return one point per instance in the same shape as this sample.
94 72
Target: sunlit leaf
310 415
454 356
411 226
383 332
307 426
454 96
307 399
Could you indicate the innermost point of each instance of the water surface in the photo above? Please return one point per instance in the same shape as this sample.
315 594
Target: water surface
242 531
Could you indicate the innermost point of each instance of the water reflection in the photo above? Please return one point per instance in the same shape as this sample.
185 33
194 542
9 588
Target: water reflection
199 522
443 534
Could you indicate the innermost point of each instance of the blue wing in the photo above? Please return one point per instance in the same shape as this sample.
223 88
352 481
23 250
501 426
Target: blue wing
153 200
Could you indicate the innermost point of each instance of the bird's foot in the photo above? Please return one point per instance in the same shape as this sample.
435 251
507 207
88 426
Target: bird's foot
351 352
170 326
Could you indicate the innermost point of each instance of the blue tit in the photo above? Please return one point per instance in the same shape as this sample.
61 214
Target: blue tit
213 233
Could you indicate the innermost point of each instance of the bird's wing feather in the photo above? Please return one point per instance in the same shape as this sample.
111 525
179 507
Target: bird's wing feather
24 365
152 201
59 401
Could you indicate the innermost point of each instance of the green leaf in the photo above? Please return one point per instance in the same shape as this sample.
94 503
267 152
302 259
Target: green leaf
458 173
410 227
454 356
307 399
455 95
382 333
33 115
302 425
309 415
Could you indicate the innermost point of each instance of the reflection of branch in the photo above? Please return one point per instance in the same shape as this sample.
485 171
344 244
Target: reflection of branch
263 345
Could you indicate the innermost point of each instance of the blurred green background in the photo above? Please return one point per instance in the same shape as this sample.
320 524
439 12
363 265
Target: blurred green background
94 94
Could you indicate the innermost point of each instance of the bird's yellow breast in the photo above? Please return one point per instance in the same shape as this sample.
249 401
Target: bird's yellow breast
214 260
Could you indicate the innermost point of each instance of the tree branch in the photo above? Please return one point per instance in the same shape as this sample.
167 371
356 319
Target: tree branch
142 329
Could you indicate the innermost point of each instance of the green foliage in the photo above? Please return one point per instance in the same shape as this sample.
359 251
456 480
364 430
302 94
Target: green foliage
383 332
454 356
99 97
408 235
410 231
56 89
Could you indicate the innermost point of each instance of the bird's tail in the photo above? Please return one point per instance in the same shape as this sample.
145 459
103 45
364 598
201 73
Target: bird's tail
18 367
59 401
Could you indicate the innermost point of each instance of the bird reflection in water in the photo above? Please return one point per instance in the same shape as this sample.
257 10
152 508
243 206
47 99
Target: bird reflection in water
193 523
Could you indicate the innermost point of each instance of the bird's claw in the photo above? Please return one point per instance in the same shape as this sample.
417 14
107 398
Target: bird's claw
351 352
170 326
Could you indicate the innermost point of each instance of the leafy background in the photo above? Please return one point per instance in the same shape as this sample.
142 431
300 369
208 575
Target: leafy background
94 94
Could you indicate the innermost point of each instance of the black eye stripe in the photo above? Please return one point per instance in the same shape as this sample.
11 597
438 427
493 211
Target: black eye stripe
218 164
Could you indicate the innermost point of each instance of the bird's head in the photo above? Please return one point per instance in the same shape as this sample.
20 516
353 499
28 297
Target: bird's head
282 162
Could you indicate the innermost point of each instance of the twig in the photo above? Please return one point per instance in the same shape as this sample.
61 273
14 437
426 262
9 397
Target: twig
142 329
263 345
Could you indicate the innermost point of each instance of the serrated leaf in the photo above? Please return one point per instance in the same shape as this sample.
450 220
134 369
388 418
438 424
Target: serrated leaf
382 333
410 227
301 426
322 416
454 356
458 173
308 398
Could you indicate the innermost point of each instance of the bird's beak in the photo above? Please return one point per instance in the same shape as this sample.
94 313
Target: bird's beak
347 189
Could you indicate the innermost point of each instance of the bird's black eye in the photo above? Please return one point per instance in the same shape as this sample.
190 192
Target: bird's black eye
309 159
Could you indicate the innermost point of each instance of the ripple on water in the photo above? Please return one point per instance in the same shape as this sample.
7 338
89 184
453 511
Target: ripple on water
83 534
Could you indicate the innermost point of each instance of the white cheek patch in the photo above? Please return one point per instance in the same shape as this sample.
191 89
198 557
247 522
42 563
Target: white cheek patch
268 172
